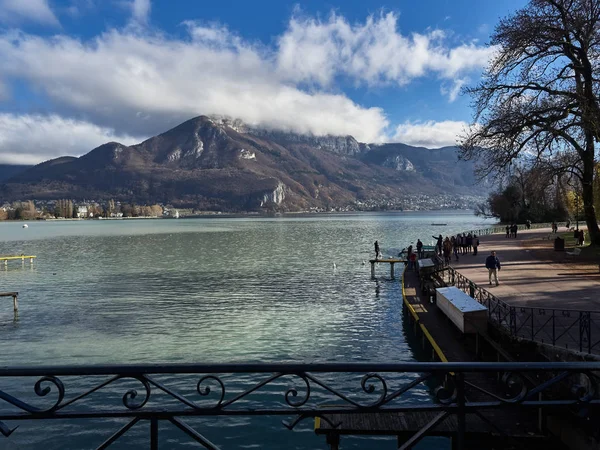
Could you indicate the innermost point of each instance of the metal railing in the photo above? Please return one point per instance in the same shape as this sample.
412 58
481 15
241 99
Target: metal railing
569 328
502 229
174 394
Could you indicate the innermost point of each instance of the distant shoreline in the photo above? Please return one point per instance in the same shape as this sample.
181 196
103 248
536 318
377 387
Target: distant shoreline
250 215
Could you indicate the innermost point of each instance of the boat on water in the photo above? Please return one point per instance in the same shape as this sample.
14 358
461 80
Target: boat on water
25 225
439 224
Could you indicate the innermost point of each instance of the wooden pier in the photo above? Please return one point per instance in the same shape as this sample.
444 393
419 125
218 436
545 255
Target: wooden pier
484 429
390 261
14 296
407 426
22 258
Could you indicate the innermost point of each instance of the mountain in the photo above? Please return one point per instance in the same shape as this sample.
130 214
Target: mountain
7 171
219 163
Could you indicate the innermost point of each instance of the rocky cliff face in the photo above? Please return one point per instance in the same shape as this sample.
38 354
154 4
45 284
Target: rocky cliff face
342 145
219 163
277 196
398 163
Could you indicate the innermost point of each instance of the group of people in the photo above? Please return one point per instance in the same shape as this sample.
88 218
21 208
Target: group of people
511 230
460 244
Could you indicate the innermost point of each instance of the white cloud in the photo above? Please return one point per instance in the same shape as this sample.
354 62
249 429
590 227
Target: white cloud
139 82
484 28
453 89
375 52
430 134
121 74
31 139
15 11
140 11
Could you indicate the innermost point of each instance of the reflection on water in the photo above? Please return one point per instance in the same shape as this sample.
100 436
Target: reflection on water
201 291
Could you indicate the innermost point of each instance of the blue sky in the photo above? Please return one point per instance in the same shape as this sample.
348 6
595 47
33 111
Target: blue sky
77 73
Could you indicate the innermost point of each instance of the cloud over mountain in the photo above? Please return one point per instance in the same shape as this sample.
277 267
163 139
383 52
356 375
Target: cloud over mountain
138 81
30 139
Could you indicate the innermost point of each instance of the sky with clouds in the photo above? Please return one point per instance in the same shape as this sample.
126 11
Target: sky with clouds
78 73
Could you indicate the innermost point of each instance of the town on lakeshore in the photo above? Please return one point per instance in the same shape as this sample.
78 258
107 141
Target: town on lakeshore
90 209
391 235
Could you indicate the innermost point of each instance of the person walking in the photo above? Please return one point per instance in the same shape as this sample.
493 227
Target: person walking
419 248
475 244
376 250
507 231
455 245
447 250
492 263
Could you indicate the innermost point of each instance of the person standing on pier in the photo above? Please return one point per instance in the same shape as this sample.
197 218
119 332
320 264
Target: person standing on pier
455 244
376 250
447 250
475 244
419 248
438 246
508 229
492 263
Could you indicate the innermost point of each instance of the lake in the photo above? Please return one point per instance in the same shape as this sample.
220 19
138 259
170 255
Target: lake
211 290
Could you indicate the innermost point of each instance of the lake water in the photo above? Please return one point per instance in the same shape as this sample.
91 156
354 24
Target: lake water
206 291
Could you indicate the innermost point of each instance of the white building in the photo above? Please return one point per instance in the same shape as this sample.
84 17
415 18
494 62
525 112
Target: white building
82 211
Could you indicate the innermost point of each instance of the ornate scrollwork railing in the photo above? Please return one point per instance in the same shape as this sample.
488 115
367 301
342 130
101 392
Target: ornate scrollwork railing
456 389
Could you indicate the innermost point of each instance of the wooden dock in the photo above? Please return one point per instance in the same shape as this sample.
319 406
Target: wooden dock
14 296
480 433
488 428
390 261
21 258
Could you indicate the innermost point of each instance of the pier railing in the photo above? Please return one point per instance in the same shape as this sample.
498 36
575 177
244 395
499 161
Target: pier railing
502 228
571 329
181 394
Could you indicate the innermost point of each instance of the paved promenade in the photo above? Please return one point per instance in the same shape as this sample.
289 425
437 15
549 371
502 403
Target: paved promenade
530 274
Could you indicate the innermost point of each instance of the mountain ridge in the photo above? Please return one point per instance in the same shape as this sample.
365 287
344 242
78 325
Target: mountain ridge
222 163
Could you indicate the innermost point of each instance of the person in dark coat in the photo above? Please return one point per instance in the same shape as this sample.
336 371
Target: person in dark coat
492 263
376 250
440 241
419 248
475 244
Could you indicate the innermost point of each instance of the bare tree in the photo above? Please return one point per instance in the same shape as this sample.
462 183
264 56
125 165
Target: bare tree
538 100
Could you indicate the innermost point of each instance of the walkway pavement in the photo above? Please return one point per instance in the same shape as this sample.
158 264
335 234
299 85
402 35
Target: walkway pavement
530 275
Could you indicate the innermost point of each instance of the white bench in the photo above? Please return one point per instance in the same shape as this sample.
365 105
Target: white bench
466 313
575 252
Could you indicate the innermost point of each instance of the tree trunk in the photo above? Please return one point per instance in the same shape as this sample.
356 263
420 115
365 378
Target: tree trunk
587 193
